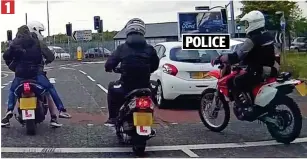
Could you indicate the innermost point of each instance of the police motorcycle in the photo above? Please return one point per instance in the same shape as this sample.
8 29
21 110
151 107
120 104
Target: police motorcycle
134 123
33 104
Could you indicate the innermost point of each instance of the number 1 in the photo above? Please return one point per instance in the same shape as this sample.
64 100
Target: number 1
8 7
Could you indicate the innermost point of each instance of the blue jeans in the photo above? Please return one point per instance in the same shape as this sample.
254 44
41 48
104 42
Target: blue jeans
41 80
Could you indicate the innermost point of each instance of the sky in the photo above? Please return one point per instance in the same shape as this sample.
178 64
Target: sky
115 13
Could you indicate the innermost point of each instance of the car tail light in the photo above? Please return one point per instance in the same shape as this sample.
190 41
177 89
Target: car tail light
26 88
143 102
170 69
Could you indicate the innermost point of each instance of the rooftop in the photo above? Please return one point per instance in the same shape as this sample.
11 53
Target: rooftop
166 29
155 30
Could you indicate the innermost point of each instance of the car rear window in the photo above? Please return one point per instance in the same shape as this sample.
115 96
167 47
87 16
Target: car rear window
193 56
58 50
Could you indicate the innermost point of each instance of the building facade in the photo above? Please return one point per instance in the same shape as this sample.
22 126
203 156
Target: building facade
163 32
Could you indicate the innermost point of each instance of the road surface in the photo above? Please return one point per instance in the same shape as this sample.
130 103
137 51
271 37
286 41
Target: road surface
82 87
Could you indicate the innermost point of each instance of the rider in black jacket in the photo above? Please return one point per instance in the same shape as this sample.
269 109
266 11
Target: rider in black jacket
25 57
257 52
137 59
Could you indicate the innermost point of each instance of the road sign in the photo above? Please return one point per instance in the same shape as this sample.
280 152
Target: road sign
278 37
283 25
82 35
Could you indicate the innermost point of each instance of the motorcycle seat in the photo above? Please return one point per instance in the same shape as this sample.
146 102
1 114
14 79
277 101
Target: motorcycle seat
138 93
284 76
37 88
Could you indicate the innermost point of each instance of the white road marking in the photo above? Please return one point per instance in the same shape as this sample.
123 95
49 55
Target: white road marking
7 72
76 65
5 75
67 68
2 87
5 84
148 148
95 62
101 87
52 80
189 153
89 77
82 72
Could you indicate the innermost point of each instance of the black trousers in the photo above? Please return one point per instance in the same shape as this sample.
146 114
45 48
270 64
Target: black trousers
116 96
244 82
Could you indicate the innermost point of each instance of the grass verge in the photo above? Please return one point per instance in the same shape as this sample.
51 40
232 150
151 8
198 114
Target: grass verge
296 63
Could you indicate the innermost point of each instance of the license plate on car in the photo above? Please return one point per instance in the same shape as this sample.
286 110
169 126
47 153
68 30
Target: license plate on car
142 119
199 75
302 88
27 103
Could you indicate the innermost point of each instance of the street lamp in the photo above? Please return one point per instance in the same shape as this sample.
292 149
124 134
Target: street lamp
283 29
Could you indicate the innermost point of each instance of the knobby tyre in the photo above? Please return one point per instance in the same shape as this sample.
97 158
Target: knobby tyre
205 99
296 120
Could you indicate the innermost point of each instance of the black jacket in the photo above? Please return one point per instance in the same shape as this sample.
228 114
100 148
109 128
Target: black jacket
138 60
256 52
25 54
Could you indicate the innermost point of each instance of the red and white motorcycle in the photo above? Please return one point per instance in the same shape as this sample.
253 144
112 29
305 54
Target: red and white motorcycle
261 104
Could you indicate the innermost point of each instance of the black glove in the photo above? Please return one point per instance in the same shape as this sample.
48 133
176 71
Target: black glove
217 60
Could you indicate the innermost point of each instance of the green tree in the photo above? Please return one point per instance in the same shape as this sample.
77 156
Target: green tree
300 27
4 46
290 8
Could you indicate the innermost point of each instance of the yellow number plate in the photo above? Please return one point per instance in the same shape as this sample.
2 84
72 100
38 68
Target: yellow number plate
199 75
27 103
142 119
302 89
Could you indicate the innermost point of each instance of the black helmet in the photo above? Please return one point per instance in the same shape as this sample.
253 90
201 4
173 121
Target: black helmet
135 25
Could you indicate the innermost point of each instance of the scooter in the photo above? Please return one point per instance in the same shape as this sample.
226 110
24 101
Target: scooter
134 122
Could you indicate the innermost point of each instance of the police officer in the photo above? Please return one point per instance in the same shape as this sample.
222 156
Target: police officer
137 59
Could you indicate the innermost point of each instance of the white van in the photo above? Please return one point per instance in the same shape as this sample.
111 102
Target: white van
59 52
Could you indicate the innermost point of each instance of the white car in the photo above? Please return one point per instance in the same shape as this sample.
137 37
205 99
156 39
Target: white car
182 73
59 52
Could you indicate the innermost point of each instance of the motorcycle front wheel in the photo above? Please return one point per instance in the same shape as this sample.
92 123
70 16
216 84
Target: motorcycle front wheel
284 119
216 111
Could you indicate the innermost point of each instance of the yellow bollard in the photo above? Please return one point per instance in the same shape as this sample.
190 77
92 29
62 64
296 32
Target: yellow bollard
79 53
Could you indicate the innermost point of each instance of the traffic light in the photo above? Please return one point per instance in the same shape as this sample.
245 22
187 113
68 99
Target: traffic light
68 29
9 35
238 27
224 16
96 22
100 30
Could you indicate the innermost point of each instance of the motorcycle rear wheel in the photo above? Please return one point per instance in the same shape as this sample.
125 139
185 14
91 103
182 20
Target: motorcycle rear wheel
31 127
138 145
296 120
210 94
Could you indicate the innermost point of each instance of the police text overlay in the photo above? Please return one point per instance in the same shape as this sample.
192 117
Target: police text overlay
205 41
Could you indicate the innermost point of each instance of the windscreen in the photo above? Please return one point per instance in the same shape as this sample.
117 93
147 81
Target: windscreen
193 56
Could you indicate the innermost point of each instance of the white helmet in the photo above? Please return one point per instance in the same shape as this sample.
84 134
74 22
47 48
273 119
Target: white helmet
37 28
253 20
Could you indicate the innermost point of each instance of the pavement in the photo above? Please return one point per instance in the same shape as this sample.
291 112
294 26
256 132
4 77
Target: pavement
82 87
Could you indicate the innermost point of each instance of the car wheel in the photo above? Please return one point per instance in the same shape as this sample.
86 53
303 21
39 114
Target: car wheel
161 102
